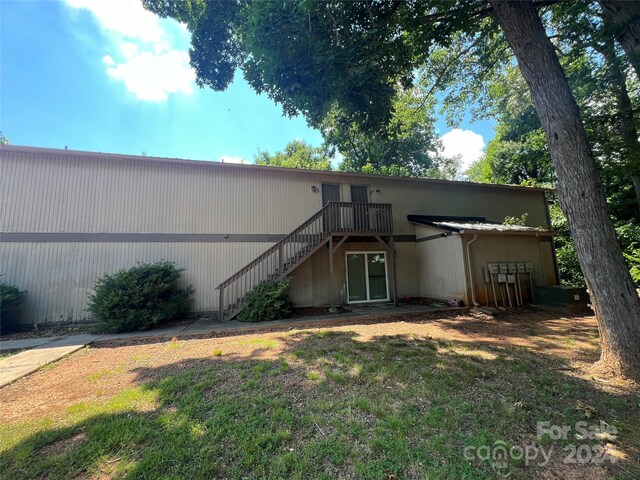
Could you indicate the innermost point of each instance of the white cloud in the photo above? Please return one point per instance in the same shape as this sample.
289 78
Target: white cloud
230 159
153 77
141 54
125 17
464 143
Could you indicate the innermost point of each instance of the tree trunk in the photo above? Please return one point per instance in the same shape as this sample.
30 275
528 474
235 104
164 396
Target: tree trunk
580 191
624 18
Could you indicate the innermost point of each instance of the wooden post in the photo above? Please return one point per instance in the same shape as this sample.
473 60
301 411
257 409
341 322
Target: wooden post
221 304
333 307
394 279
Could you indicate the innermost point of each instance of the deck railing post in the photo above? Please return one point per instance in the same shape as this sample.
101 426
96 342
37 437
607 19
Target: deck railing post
221 304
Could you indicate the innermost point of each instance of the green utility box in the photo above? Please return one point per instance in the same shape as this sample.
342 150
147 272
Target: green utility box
559 296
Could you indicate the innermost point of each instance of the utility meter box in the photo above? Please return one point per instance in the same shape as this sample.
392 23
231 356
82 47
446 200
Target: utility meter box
511 267
528 268
485 274
520 267
493 268
502 267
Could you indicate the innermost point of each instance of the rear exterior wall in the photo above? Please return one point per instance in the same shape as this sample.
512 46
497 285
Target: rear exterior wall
69 217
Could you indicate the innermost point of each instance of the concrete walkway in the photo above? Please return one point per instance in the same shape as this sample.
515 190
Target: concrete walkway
23 363
41 351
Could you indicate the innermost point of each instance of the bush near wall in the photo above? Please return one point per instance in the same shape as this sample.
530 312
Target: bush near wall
10 299
140 297
268 301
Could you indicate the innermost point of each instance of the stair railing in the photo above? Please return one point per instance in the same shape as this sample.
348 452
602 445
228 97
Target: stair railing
283 257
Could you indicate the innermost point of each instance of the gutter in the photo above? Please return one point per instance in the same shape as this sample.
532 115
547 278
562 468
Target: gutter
473 290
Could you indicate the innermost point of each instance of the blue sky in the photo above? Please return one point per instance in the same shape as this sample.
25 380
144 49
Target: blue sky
105 75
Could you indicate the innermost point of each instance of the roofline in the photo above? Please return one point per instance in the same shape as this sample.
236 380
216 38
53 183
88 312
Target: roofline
537 233
462 231
215 164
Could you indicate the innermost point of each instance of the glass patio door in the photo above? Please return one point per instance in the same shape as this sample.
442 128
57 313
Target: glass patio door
367 277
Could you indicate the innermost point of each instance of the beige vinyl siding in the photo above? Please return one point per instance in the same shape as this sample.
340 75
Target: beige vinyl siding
310 285
59 276
45 191
508 249
441 265
54 192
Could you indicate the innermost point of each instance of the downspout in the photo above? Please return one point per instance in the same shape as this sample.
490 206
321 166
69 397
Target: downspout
473 290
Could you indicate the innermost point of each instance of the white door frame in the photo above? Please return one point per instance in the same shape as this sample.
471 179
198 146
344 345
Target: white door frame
366 274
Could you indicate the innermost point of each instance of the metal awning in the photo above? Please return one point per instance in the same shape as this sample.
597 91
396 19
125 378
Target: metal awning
474 225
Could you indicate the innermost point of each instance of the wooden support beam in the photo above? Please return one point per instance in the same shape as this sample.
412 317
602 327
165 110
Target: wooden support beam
390 247
339 244
394 278
381 240
333 307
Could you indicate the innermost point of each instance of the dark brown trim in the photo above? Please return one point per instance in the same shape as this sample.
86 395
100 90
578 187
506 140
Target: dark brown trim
85 237
404 238
433 237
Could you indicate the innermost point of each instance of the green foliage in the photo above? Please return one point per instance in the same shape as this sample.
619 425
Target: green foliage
3 140
345 66
521 220
407 146
297 154
568 264
139 297
268 301
629 236
634 260
10 299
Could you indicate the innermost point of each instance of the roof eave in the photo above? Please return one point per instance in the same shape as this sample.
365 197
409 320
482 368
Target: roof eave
247 167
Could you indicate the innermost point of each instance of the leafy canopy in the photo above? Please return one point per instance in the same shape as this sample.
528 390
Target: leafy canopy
297 154
348 67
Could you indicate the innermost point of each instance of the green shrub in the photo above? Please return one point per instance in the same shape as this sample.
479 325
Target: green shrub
268 301
139 297
10 298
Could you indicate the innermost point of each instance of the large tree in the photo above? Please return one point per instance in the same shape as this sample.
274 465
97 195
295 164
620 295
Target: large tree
608 95
315 56
580 190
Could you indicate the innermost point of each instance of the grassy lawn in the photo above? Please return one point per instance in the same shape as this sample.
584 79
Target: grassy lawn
381 401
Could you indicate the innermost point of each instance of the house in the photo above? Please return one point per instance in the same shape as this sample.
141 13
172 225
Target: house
68 217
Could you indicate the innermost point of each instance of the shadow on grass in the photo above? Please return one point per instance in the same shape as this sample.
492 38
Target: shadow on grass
329 405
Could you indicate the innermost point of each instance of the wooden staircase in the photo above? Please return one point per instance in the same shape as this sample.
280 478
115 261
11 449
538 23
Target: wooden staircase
284 257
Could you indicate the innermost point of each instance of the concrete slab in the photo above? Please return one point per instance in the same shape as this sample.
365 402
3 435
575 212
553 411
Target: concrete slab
165 332
24 363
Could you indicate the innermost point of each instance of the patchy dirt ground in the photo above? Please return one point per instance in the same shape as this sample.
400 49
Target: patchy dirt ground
566 346
58 385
